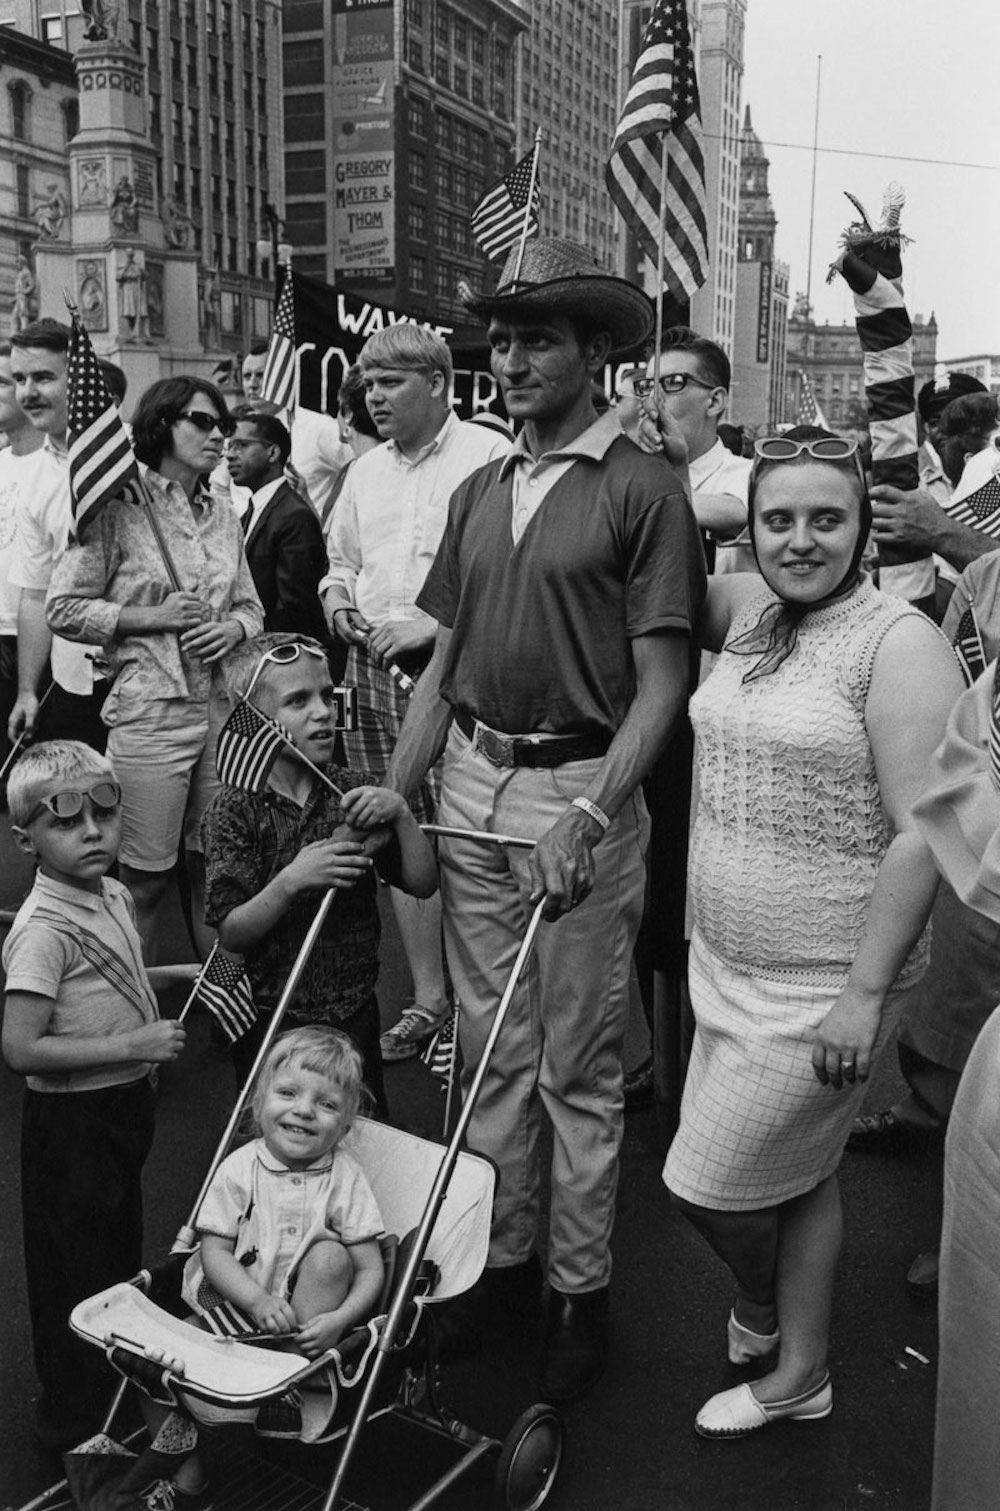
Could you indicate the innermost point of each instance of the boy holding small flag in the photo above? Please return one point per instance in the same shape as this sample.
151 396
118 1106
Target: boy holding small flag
288 826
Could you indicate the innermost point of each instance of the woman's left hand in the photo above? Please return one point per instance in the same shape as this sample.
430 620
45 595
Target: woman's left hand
845 1039
210 642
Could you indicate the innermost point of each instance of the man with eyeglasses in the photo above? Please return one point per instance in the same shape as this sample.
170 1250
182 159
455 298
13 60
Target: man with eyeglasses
72 708
695 377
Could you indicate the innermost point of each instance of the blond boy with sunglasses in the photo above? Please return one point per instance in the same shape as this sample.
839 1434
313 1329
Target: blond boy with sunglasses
81 1025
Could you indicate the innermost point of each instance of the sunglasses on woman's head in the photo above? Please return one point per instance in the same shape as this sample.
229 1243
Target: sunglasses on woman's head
105 797
205 422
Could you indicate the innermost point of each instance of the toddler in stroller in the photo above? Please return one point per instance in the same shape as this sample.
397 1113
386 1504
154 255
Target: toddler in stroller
289 1229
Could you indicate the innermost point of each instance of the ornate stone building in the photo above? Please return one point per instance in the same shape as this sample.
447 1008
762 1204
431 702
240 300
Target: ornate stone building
761 318
831 355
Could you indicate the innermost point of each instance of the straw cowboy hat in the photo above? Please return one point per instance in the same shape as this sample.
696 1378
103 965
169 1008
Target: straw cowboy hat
561 277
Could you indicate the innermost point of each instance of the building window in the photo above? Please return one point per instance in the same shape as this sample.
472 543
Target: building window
71 119
442 179
302 63
460 40
443 280
304 172
415 55
417 170
441 27
23 193
478 46
417 222
415 118
461 81
418 273
19 96
227 81
478 90
442 71
52 30
304 117
415 12
302 15
442 230
442 131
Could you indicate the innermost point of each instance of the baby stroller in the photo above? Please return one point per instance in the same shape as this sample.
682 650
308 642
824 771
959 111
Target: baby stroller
386 1369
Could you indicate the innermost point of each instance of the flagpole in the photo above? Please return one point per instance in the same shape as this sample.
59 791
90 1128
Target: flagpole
528 206
812 194
12 753
197 985
660 264
147 502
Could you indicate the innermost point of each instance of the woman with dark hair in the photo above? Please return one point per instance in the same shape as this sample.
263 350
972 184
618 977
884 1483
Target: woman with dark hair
165 644
810 890
966 427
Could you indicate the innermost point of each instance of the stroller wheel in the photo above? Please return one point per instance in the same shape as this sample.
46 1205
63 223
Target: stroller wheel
529 1460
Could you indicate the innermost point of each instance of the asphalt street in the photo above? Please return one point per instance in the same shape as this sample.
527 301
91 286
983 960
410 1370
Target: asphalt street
630 1443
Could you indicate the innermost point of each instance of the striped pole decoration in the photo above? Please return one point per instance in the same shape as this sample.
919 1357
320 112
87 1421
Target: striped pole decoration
870 262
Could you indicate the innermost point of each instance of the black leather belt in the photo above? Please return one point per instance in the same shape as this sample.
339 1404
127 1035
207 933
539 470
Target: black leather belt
531 750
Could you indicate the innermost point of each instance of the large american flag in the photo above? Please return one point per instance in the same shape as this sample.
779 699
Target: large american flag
102 464
662 115
278 383
498 220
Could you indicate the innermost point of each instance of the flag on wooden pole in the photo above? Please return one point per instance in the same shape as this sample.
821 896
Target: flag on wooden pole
279 381
249 744
508 211
659 142
102 464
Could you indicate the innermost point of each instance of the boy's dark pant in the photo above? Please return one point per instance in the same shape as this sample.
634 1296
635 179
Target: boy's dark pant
363 1029
82 1155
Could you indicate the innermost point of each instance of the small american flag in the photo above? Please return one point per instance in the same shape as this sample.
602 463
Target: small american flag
225 990
662 115
278 382
102 464
249 744
226 1320
439 1052
980 510
809 412
499 219
968 646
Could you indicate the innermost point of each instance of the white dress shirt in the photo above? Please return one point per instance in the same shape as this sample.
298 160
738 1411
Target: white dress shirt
390 517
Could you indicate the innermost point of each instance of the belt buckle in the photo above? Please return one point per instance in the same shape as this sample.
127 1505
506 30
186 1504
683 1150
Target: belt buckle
497 748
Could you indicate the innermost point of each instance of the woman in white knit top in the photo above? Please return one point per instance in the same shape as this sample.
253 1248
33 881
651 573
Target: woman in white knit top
810 890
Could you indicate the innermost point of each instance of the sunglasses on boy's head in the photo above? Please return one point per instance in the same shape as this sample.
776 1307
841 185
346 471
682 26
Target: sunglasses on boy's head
669 383
284 655
105 796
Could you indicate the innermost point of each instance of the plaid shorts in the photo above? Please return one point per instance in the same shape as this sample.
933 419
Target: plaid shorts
382 706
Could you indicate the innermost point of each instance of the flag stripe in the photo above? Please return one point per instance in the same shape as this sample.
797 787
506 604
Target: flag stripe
102 465
279 381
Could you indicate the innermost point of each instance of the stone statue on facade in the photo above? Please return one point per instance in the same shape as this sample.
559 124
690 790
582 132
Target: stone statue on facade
178 224
50 212
102 20
132 296
211 300
125 208
23 309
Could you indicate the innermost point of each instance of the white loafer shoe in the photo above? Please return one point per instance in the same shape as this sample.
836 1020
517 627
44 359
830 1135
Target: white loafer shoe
745 1345
736 1413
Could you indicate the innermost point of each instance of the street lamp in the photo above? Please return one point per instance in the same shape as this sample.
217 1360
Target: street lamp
274 246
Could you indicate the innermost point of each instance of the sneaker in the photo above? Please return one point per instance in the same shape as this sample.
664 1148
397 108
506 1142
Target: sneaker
404 1040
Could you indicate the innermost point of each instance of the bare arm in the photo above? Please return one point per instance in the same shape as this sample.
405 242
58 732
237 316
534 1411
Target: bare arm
222 1270
721 514
724 599
425 728
914 684
562 863
34 641
30 1049
410 864
916 519
317 867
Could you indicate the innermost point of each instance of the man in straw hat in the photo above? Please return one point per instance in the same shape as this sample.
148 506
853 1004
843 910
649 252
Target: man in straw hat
565 589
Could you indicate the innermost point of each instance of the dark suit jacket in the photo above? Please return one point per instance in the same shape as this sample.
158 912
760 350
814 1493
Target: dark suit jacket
287 558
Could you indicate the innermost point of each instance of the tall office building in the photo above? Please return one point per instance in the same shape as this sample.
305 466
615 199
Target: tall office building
399 114
570 88
212 94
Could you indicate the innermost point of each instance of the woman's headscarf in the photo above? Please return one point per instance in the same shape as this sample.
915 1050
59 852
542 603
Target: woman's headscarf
774 636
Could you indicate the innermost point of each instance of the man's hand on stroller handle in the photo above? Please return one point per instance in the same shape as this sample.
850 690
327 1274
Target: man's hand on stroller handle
562 865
